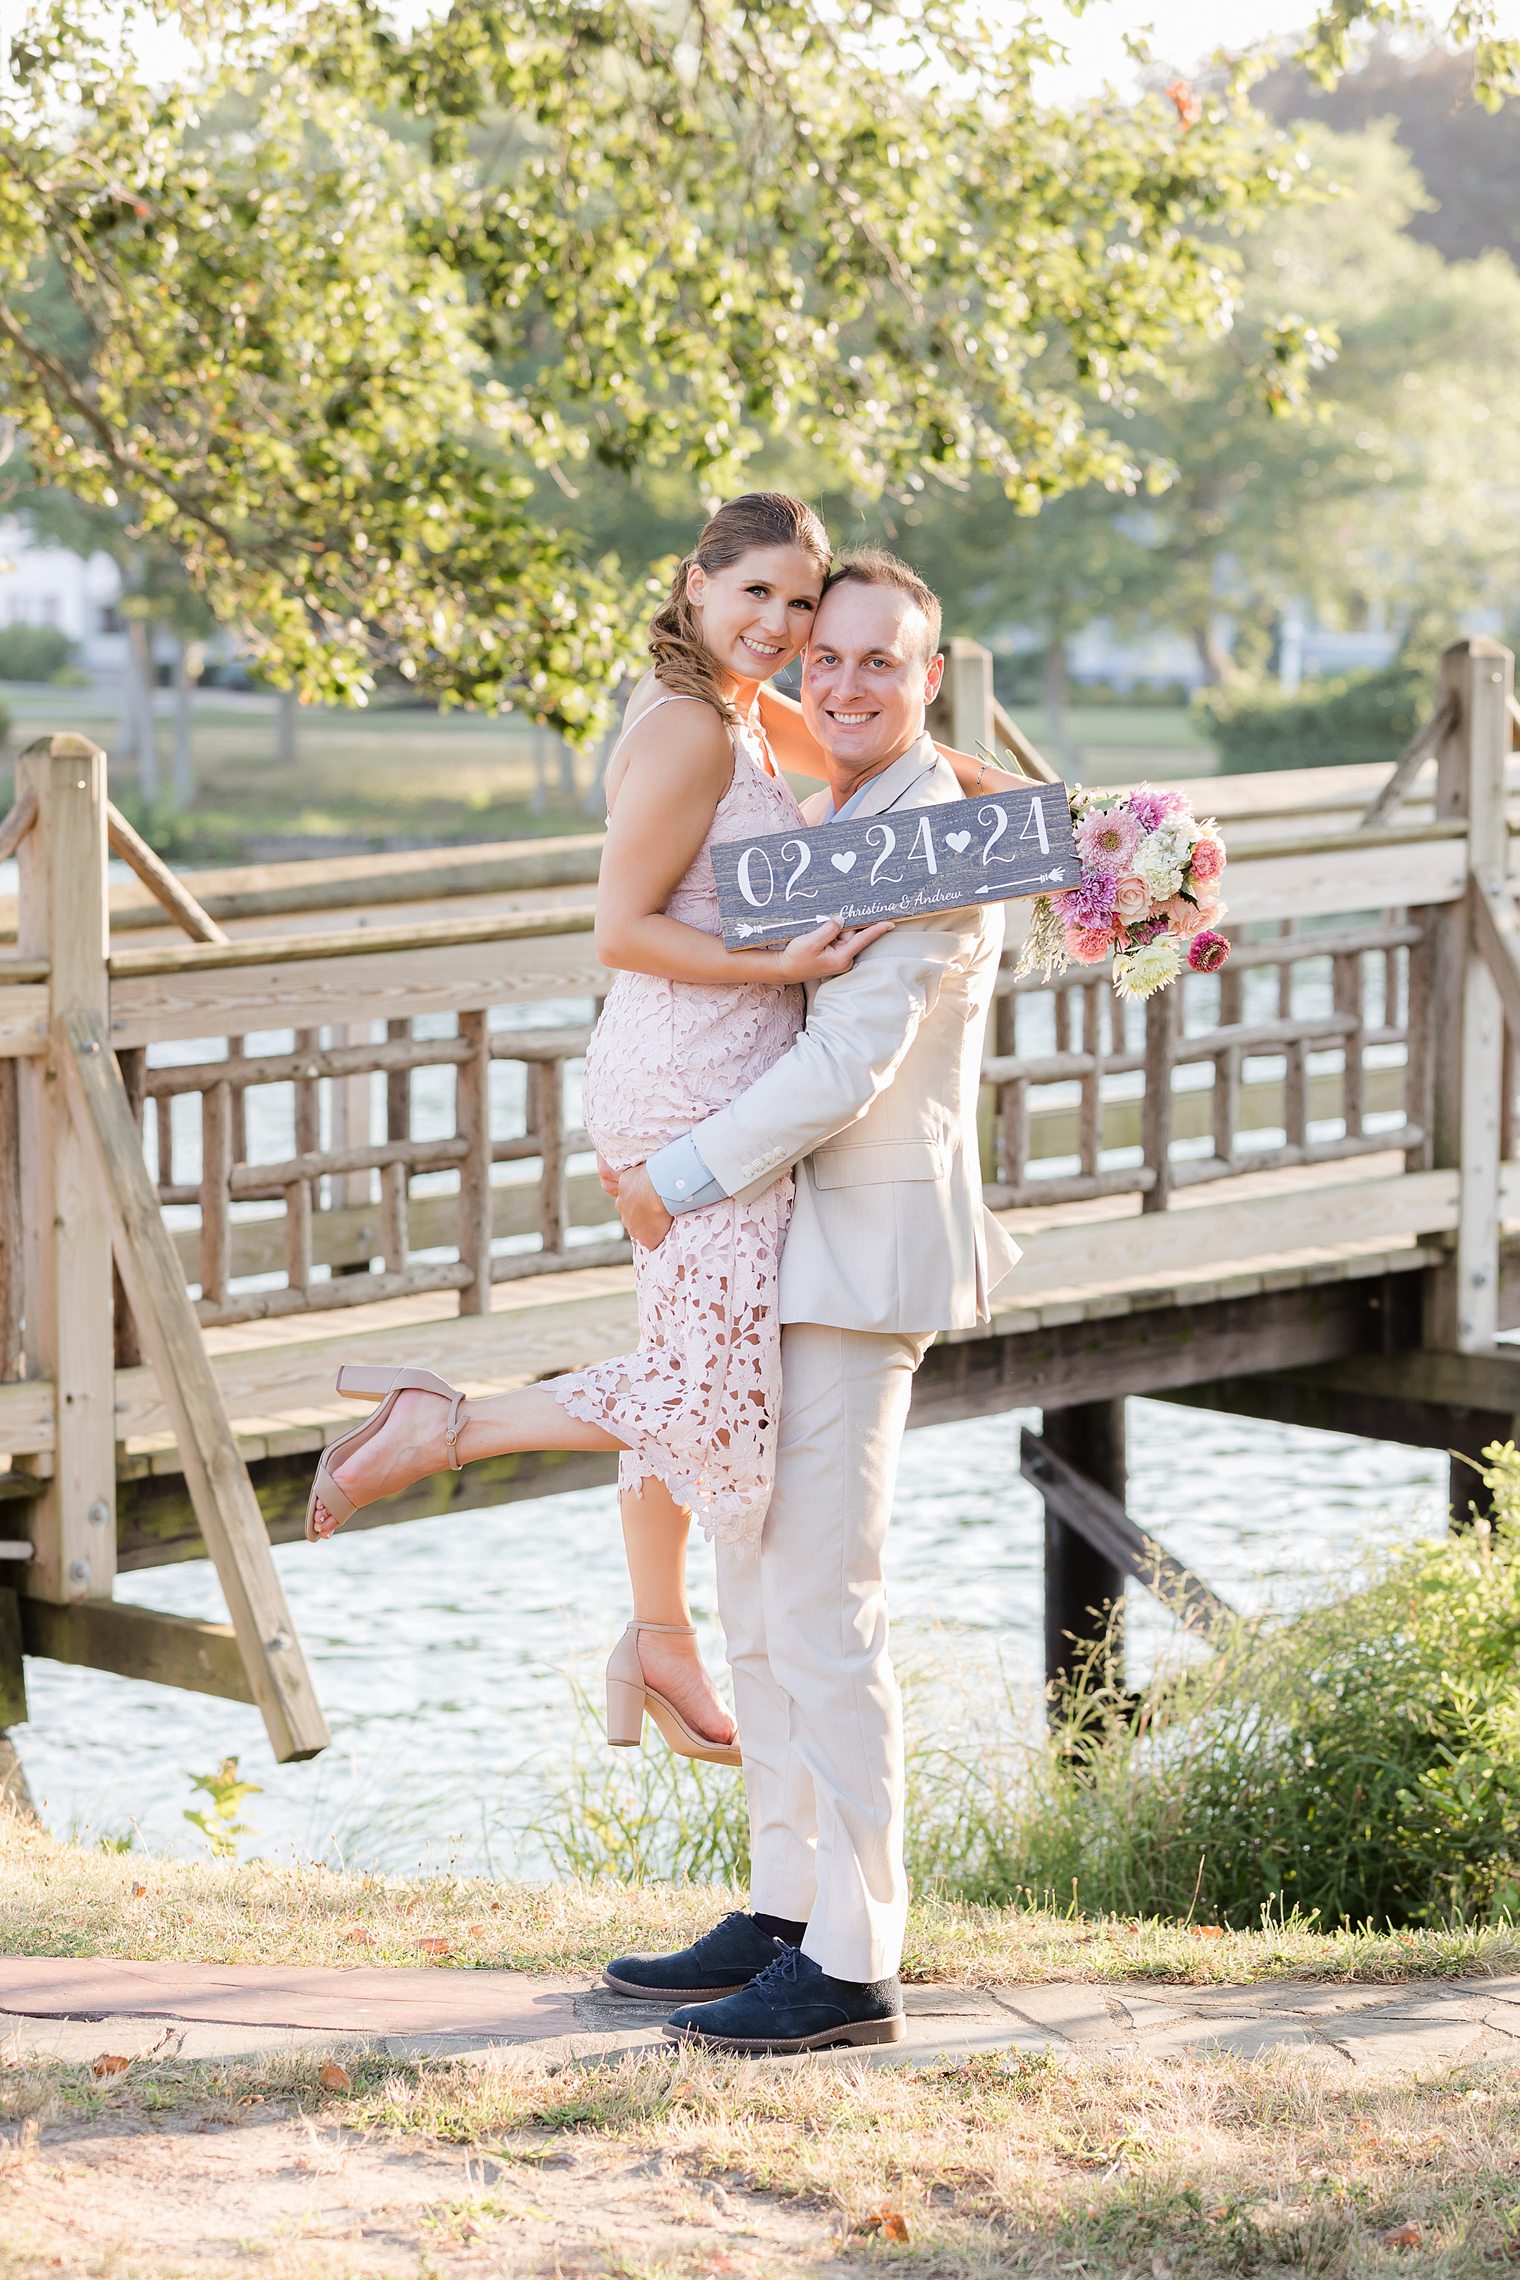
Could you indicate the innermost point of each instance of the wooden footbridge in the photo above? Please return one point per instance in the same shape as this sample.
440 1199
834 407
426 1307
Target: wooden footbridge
253 1121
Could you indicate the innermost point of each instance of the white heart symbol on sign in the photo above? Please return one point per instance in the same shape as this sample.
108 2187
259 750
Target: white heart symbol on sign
959 840
843 862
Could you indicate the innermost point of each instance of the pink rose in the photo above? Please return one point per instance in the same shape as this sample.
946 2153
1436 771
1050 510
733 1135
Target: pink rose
1184 917
1206 862
1211 909
1089 945
1132 899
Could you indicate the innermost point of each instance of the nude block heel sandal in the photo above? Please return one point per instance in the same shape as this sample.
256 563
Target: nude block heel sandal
629 1697
361 1381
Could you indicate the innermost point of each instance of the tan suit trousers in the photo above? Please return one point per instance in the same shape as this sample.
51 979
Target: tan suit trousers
805 1614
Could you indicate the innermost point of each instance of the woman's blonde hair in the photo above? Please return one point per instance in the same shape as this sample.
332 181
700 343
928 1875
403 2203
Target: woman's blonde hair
683 662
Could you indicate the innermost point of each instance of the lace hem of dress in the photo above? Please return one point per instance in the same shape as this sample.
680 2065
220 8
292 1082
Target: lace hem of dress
725 1516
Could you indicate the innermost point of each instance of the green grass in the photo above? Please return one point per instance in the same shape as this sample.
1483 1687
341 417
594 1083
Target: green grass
62 1899
1118 744
388 776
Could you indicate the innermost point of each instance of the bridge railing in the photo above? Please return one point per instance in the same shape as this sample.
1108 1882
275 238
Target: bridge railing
386 1111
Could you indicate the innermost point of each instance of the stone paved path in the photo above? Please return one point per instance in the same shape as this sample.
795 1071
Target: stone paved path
76 2008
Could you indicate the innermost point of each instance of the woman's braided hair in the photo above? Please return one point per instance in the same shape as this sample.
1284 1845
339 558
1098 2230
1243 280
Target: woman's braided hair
683 662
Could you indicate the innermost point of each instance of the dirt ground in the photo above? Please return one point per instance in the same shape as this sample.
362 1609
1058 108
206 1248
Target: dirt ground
292 2198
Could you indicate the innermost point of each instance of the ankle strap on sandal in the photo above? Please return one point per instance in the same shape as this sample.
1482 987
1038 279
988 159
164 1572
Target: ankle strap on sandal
676 1630
452 1430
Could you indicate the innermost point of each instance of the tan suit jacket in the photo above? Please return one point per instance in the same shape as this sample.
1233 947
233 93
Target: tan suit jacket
875 1105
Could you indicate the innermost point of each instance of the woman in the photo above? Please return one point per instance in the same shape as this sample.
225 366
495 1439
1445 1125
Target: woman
686 1027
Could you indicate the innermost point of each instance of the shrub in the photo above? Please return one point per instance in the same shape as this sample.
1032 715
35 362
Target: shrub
1359 717
33 652
1358 1762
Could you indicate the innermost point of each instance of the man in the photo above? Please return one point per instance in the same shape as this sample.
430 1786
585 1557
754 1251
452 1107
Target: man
875 1106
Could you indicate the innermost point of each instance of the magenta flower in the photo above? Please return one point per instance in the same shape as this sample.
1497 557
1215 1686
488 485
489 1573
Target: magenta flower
1090 902
1107 839
1207 952
1151 807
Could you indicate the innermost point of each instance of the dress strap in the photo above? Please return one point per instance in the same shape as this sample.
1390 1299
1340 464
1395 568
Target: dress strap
672 697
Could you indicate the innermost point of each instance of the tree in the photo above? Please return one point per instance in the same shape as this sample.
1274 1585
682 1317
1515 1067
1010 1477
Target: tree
1395 494
1083 557
359 309
1340 28
1467 158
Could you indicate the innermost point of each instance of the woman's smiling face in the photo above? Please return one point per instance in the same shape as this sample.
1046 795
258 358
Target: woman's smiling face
757 613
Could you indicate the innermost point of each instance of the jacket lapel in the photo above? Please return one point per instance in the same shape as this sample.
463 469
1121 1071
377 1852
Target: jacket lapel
887 789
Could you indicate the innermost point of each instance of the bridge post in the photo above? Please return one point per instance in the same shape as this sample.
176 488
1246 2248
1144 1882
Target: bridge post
1082 1587
1468 1028
963 709
66 1227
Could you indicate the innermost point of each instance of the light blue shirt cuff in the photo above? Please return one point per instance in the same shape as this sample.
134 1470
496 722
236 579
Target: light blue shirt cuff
681 1180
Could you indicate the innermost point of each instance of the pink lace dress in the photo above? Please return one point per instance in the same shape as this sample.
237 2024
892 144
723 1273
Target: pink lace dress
696 1402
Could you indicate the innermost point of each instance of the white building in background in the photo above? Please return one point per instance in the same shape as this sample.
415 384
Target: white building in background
80 594
1305 650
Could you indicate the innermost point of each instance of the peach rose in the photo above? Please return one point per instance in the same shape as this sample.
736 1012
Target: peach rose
1132 899
1184 917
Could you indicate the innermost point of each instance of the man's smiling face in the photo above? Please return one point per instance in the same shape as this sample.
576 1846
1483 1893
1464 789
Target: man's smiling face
867 676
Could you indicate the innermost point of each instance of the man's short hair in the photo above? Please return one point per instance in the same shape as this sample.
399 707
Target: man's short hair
874 566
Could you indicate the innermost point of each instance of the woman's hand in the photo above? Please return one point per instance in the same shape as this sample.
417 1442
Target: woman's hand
829 950
643 1215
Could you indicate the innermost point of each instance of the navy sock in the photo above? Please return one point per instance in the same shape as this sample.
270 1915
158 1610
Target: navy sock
781 1928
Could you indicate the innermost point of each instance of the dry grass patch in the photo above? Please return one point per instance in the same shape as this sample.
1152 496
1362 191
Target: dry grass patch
62 1899
1149 2170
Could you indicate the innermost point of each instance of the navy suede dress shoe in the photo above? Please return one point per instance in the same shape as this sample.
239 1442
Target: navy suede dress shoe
719 1963
795 2005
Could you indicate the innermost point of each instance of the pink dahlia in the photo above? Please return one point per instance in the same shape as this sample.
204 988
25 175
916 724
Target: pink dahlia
1151 808
1132 899
1207 952
1107 839
1089 945
1206 862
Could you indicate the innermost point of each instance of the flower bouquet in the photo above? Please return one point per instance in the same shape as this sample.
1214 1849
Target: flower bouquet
1148 896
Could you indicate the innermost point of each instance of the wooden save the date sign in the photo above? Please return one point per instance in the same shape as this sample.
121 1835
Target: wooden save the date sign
901 864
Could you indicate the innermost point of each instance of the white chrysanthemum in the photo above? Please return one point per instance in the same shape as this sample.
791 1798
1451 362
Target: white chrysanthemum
1139 973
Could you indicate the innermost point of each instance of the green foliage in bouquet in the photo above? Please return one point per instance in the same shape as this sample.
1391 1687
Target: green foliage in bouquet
1357 717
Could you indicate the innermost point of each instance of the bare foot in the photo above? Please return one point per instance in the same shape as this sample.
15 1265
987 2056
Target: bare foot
673 1667
408 1446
